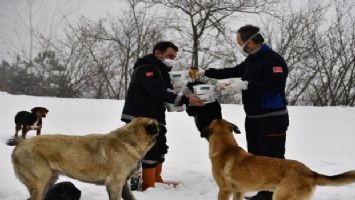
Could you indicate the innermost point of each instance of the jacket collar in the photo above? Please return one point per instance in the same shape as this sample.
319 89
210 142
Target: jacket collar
151 59
263 49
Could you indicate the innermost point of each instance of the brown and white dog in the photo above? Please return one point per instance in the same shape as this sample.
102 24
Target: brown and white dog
237 171
30 120
105 159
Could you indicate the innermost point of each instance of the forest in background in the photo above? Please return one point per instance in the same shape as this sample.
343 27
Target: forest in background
93 58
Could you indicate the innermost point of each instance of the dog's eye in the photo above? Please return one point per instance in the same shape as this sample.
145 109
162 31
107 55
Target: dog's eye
152 129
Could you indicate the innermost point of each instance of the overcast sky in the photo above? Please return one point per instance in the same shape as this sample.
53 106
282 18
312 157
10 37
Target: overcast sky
48 18
14 17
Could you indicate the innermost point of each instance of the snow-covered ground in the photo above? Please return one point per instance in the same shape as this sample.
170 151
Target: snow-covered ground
322 138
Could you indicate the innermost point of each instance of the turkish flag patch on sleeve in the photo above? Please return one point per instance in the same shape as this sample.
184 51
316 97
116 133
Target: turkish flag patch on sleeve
149 74
277 69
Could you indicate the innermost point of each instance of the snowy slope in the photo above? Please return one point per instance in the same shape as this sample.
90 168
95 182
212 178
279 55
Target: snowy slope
322 138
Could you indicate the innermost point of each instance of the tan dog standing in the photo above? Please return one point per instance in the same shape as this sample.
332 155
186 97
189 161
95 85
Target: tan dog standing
237 171
104 159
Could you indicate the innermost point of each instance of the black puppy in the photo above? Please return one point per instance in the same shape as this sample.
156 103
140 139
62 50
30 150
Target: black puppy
63 191
30 120
204 115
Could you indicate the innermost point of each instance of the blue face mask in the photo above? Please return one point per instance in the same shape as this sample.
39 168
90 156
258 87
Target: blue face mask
241 49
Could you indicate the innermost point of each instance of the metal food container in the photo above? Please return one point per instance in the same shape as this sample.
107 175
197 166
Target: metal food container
207 98
179 76
205 92
204 89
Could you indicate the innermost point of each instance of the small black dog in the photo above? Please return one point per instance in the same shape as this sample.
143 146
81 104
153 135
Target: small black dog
30 120
63 191
204 115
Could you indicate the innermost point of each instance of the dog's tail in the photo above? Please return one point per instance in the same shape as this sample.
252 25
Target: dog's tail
336 180
14 141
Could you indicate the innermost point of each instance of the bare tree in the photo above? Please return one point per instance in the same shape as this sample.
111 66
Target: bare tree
108 48
335 67
319 54
73 70
94 58
197 20
116 43
25 21
293 42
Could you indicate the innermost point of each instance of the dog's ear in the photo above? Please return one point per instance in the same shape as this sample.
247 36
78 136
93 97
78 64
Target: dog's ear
152 128
34 110
234 128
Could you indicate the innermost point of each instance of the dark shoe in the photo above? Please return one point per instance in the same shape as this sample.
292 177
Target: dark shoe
136 182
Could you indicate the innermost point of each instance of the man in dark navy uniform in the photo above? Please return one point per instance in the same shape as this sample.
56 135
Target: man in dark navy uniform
149 94
262 80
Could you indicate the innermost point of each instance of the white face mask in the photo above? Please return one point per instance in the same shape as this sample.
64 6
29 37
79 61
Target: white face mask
168 62
241 48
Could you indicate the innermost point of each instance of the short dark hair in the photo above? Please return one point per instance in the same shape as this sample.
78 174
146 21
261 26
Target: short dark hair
247 31
164 45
